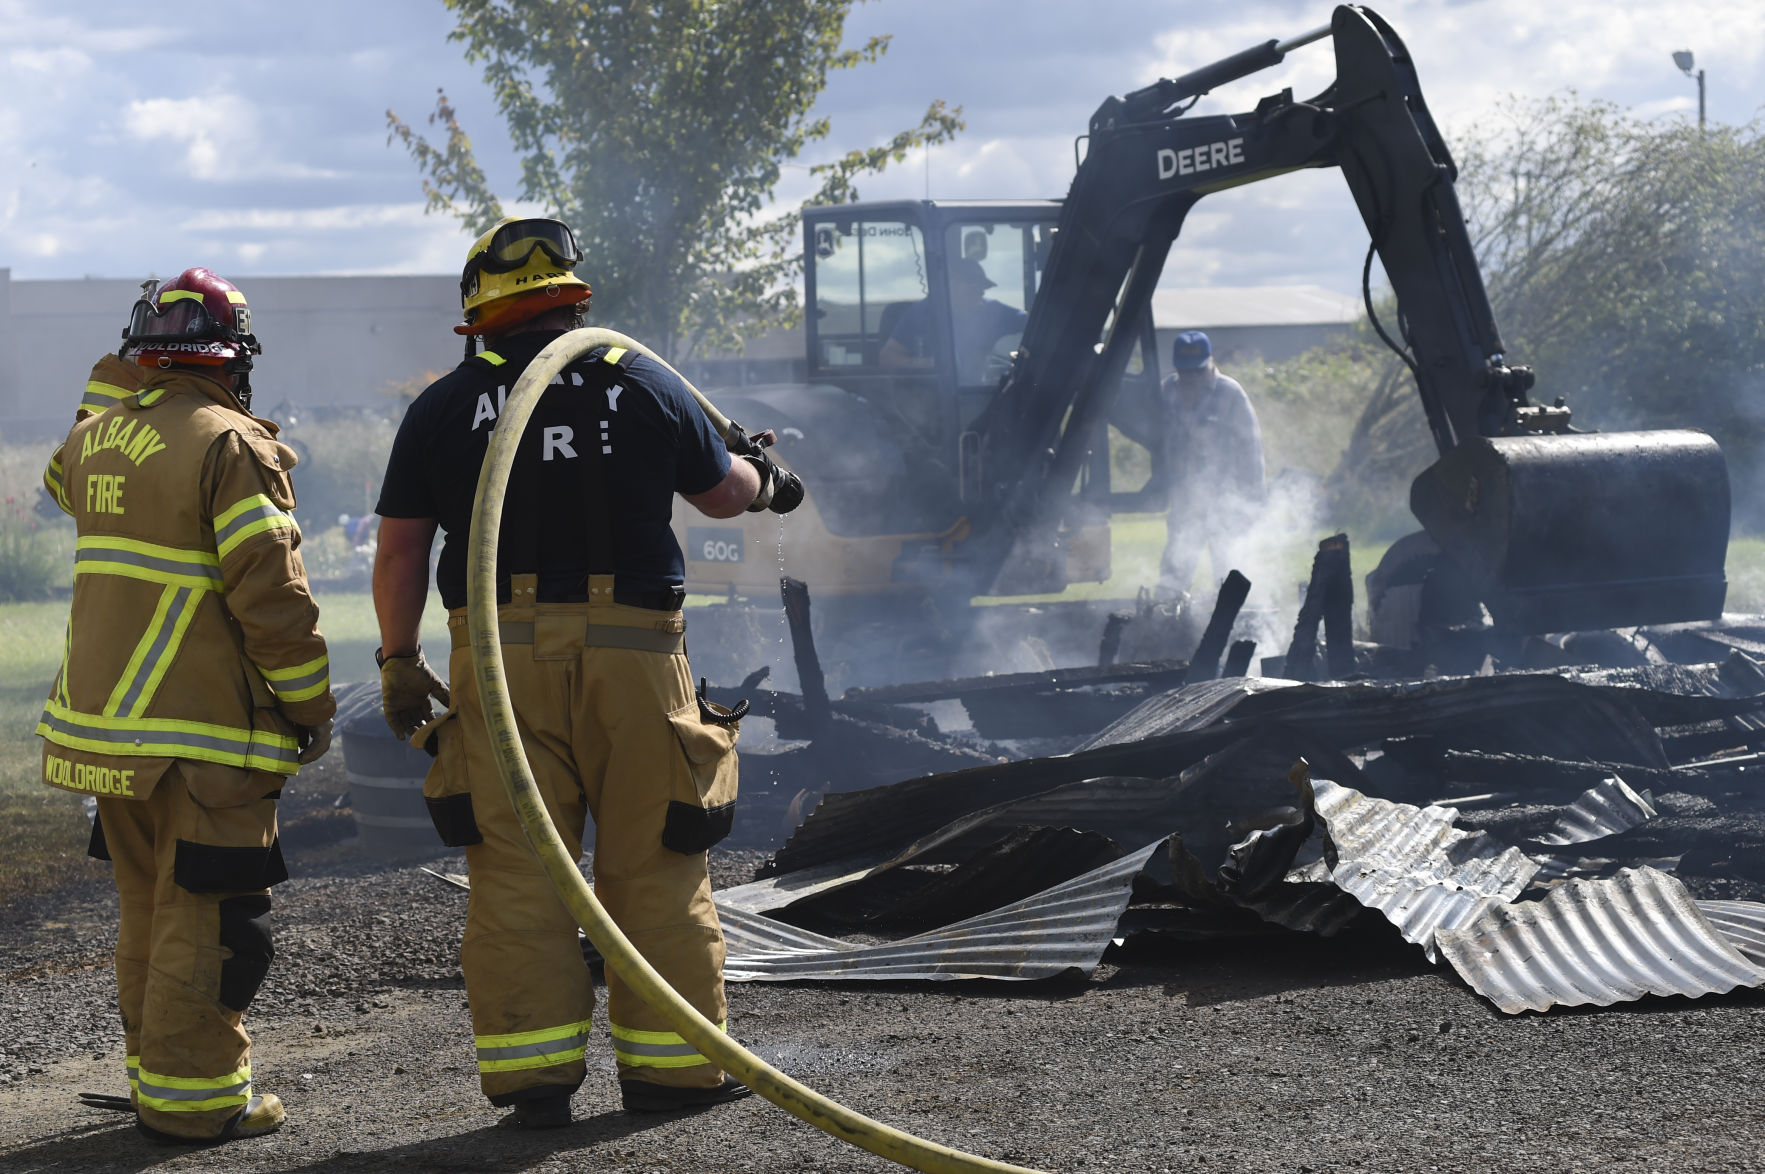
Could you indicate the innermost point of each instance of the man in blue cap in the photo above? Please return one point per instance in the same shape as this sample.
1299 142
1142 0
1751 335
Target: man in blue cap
1213 457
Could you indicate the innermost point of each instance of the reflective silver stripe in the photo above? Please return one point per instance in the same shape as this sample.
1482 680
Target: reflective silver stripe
148 562
295 684
162 1093
658 1051
149 732
150 664
550 1047
234 528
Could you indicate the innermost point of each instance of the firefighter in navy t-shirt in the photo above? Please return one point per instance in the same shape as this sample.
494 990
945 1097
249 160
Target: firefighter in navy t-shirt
589 581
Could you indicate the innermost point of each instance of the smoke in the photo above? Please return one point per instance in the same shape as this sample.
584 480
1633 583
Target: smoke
1275 555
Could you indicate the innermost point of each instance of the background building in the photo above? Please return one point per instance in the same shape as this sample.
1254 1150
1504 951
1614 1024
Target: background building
358 343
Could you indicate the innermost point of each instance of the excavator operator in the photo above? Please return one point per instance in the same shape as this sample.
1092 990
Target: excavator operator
977 323
590 590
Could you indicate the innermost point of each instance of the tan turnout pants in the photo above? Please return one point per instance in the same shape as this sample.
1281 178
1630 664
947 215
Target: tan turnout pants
192 946
612 731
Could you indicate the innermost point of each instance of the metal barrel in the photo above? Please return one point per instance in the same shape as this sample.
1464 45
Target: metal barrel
386 795
1559 533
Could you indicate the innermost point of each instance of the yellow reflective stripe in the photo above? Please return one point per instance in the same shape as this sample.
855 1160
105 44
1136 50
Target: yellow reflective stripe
53 481
133 1064
134 559
192 1094
234 297
299 670
178 295
255 502
656 1049
235 1077
148 398
132 670
613 355
246 517
185 612
280 522
100 395
522 1050
491 357
67 651
303 682
517 1038
168 738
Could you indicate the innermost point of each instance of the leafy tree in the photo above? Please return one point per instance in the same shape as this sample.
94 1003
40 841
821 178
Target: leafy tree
1625 261
657 129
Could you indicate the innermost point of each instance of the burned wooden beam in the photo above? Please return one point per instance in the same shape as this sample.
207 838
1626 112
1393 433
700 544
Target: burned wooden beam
1112 637
1329 600
1238 659
1204 665
813 683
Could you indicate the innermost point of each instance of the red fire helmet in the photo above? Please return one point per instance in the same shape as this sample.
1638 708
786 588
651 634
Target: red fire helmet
196 317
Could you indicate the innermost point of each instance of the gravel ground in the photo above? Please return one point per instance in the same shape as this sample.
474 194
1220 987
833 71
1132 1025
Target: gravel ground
1283 1053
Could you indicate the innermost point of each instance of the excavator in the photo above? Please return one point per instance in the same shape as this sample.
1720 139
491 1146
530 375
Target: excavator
954 440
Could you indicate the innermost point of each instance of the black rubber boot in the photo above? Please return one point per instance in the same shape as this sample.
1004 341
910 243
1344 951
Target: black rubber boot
640 1096
548 1112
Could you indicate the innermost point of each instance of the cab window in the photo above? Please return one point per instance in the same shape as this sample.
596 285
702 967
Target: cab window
868 274
994 269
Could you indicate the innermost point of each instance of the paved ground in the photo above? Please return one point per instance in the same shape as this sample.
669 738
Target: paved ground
1279 1054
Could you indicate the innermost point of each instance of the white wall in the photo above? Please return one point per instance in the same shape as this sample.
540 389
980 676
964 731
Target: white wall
327 340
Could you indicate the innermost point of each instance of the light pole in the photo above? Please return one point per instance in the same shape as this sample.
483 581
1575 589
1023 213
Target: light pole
1683 59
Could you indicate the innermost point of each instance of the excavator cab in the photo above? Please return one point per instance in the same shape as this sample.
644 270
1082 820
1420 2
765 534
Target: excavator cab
919 308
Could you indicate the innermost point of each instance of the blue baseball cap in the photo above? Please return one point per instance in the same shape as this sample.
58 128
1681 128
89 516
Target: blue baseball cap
1191 351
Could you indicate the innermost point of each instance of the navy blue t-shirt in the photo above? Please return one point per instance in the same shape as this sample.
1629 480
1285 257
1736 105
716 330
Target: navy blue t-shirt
592 489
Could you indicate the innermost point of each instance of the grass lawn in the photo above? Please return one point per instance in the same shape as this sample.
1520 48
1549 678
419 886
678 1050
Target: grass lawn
43 831
1278 565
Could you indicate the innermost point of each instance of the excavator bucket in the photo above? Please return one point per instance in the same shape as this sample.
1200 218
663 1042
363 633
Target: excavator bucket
1560 533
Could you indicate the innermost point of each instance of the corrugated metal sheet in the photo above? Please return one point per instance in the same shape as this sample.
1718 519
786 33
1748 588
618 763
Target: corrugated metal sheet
1555 869
1605 810
1741 923
1597 942
1413 866
1063 928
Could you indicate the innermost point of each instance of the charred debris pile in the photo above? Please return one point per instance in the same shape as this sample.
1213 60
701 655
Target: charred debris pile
1558 837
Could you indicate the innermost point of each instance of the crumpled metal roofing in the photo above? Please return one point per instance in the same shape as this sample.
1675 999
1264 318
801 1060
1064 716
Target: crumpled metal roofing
1412 865
1597 942
1063 928
1604 810
1742 923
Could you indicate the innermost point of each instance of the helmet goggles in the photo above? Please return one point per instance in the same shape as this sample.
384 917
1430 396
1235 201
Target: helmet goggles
181 316
513 245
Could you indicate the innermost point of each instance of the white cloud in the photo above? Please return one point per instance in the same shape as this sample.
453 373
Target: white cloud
133 147
341 218
220 136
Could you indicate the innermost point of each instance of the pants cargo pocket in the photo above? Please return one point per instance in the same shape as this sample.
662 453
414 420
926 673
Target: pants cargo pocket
701 811
446 790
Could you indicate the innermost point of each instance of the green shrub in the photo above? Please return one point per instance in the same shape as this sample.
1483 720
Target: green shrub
33 558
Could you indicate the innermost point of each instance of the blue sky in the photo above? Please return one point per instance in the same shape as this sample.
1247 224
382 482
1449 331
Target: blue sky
251 137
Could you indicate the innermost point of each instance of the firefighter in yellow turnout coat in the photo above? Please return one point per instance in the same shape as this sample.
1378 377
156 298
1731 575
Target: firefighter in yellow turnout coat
195 683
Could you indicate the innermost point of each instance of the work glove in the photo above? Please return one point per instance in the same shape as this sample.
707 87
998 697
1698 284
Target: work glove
781 490
406 685
314 741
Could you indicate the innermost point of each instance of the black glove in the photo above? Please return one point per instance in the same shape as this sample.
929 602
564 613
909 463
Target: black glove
314 741
781 490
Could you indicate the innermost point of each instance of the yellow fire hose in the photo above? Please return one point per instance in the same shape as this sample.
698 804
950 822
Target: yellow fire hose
799 1100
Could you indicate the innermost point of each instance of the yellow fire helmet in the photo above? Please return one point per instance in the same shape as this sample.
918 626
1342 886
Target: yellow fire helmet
518 270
